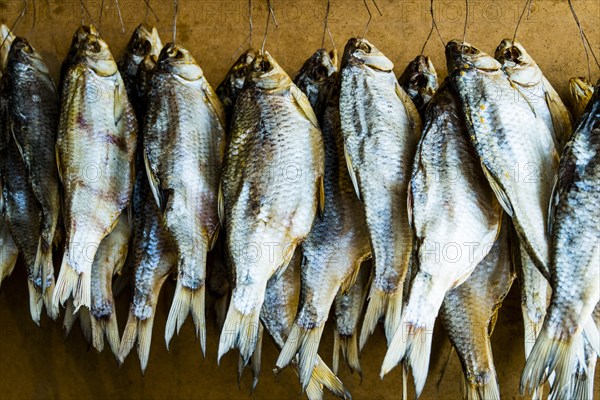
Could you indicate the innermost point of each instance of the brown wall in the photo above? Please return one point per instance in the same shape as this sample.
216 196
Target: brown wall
38 363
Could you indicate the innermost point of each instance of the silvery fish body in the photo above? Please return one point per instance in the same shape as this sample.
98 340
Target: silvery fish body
338 241
272 185
456 219
381 128
532 85
184 142
95 154
419 80
516 149
575 255
469 314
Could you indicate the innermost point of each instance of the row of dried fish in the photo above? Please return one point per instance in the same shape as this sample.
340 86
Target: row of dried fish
274 193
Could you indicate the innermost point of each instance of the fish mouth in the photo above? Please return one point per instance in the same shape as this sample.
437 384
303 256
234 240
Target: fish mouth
509 53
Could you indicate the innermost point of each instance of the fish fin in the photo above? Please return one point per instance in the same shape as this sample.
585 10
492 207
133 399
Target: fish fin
83 295
70 317
35 302
337 344
186 301
518 89
51 307
241 331
321 194
8 260
351 353
221 205
314 390
57 155
411 110
532 330
498 191
409 205
551 354
144 341
583 383
129 338
351 279
110 329
559 114
304 105
404 381
305 343
413 344
325 377
590 331
97 334
255 359
351 171
212 240
154 183
85 323
487 391
551 205
393 314
65 284
375 309
19 147
119 104
215 103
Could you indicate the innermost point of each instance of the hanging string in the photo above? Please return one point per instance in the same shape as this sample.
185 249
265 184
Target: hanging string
526 8
270 14
370 16
175 9
433 26
585 42
120 16
16 21
466 21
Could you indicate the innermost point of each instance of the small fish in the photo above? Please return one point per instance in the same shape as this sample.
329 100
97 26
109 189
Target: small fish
527 77
184 142
272 186
456 219
581 92
109 261
516 149
154 258
314 79
95 154
348 308
233 83
144 44
278 312
33 112
469 314
574 227
381 128
338 241
419 80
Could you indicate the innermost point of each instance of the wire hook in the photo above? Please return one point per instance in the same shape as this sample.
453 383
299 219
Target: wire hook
586 43
270 14
433 26
527 8
370 16
175 9
466 21
16 21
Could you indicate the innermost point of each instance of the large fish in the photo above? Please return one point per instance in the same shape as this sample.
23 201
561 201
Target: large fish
338 241
419 80
516 148
381 128
581 91
348 309
8 249
144 42
184 142
233 83
272 186
469 314
527 78
456 219
33 112
575 267
314 79
278 312
95 154
154 257
109 261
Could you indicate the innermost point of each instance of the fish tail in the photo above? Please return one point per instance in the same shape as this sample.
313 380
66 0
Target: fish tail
413 343
45 266
187 301
532 330
255 360
70 317
241 331
85 322
130 335
314 391
335 362
8 261
67 283
378 302
348 345
51 307
305 343
404 381
109 328
323 376
583 381
97 334
484 391
35 302
592 336
552 354
393 314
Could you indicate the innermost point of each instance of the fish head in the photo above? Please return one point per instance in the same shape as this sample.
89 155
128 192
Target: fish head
24 55
360 52
517 63
178 61
320 66
461 56
94 53
420 77
237 73
265 73
6 39
144 41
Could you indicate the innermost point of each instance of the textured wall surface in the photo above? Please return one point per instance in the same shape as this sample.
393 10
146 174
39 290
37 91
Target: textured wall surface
38 363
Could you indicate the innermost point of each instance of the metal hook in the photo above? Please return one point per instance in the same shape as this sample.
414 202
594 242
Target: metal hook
84 11
251 25
149 8
526 8
175 9
433 26
19 17
585 41
270 14
370 16
120 16
466 20
325 24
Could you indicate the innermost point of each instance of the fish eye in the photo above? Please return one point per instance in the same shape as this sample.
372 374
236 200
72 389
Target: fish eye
321 72
178 55
94 47
421 80
364 47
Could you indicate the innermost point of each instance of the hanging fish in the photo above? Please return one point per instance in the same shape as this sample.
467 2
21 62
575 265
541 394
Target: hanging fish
419 80
315 79
233 83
